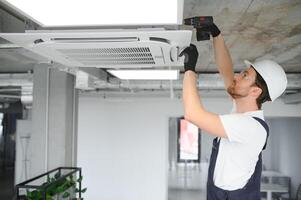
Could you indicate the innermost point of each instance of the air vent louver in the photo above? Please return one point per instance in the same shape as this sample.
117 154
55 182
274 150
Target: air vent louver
110 56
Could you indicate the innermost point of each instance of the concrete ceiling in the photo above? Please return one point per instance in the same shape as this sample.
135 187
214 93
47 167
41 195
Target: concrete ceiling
253 29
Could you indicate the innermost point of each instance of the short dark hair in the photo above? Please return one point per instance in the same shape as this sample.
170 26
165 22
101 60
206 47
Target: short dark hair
264 96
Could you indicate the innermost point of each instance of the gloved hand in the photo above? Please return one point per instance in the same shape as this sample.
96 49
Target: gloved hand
212 29
191 57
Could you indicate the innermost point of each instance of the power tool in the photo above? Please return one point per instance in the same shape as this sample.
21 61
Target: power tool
199 22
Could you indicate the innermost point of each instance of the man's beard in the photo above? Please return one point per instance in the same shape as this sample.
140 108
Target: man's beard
233 94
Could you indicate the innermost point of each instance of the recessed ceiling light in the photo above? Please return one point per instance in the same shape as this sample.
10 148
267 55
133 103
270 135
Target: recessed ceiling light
100 12
146 74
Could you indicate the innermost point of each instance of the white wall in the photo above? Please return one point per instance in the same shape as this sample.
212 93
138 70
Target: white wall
123 148
22 164
279 109
123 144
285 148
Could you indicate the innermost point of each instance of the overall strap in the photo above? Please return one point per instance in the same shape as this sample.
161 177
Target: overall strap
266 127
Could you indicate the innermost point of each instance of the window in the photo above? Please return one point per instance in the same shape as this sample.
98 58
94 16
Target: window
189 142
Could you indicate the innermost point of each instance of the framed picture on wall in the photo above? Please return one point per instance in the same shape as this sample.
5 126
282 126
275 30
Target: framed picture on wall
189 142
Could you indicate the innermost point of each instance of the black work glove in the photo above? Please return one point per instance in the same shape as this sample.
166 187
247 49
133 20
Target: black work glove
191 57
212 29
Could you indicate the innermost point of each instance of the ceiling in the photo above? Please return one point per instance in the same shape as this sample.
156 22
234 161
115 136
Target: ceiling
253 29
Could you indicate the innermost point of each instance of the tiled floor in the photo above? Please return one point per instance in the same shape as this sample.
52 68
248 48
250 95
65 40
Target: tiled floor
187 182
180 194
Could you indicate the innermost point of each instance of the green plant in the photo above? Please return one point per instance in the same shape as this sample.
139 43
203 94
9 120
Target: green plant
56 186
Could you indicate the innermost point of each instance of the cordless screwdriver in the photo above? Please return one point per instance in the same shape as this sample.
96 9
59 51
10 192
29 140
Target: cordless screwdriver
198 22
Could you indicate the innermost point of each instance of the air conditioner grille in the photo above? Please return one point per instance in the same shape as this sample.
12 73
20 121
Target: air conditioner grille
107 50
110 56
98 55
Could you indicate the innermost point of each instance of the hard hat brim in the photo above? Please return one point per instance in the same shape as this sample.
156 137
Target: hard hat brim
248 63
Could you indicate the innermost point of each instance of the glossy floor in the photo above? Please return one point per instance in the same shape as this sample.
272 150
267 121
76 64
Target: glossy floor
180 194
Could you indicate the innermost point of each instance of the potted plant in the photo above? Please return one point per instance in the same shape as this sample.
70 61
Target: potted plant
58 187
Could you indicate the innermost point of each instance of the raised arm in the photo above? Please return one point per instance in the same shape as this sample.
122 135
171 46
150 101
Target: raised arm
223 60
221 52
193 108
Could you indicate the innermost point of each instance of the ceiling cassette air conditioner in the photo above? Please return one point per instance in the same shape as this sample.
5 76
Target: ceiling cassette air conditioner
114 48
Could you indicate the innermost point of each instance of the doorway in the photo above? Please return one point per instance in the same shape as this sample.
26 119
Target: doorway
8 119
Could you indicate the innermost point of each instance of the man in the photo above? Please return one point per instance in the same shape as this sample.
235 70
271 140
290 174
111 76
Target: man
236 162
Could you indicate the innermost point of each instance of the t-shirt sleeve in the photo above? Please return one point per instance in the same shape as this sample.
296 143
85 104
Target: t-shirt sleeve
242 128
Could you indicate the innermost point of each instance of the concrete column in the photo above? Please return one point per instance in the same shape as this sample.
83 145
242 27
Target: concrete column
54 117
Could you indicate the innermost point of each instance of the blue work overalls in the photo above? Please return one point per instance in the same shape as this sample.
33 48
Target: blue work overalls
251 191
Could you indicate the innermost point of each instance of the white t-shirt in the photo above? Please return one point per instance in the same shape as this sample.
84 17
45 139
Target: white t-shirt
238 154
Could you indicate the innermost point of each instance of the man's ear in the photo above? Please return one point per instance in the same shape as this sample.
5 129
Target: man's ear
256 91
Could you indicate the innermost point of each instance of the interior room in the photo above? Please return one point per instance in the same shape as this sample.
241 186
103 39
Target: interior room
93 97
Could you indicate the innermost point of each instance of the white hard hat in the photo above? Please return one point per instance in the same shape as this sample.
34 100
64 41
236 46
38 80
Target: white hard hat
273 75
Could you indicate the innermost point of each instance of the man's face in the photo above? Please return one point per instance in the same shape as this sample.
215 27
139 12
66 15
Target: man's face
242 83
